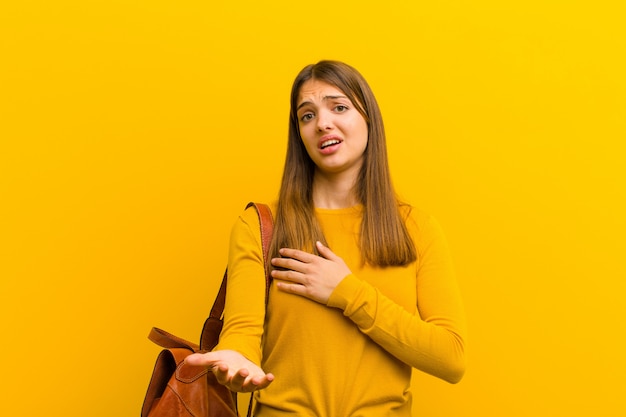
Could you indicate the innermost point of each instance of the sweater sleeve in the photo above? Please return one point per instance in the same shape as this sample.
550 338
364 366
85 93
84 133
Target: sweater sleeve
430 339
244 312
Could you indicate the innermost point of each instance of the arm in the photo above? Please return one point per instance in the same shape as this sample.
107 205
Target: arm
244 312
430 339
235 360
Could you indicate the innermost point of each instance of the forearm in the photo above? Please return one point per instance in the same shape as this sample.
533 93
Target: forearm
434 345
244 313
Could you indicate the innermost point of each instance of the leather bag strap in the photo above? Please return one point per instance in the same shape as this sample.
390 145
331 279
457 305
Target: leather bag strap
267 229
169 341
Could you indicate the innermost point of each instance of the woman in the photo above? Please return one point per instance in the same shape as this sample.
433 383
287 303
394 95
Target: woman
363 288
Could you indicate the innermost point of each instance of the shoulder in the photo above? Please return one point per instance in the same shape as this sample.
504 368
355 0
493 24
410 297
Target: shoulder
245 235
422 226
250 216
248 222
414 217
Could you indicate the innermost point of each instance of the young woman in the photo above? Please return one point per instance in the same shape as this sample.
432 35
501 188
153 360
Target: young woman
363 287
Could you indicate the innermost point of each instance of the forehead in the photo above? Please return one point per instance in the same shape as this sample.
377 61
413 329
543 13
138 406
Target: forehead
317 91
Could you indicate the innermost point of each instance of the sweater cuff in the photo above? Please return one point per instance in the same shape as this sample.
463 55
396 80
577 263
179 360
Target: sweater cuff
344 292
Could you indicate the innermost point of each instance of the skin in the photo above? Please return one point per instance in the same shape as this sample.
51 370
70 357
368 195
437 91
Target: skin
325 114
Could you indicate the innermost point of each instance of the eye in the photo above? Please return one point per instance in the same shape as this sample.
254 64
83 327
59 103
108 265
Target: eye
340 108
306 117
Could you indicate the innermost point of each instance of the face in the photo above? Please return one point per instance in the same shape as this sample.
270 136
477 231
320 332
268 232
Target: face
333 131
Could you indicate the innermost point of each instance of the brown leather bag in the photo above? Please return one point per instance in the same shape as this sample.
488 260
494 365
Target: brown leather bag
178 389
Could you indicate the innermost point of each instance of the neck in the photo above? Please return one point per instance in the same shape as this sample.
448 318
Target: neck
333 191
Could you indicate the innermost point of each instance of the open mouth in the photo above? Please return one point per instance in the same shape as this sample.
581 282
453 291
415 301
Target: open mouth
329 142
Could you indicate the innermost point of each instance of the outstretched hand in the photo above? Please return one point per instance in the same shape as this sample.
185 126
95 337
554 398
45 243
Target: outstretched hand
232 370
308 275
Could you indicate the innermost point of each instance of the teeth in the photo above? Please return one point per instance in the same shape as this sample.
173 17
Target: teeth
330 143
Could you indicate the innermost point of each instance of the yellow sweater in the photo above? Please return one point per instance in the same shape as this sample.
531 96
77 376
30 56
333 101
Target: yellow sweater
354 356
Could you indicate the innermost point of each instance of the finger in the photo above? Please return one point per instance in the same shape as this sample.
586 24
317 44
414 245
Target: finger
261 382
288 275
199 359
287 263
221 374
238 380
195 359
296 254
297 289
324 251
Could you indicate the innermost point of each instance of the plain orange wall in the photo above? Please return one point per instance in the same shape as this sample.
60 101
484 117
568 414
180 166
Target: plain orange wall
133 133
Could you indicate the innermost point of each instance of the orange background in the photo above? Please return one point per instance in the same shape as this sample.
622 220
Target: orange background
134 132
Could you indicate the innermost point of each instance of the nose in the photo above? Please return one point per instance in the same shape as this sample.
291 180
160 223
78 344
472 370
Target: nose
324 121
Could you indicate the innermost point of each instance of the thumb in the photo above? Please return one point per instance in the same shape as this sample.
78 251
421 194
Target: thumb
324 251
200 359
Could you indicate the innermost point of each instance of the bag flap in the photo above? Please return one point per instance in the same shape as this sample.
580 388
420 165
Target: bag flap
189 373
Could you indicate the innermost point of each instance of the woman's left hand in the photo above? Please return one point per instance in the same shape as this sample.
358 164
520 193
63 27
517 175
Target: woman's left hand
308 275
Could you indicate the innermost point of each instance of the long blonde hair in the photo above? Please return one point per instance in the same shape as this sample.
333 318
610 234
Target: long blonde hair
384 239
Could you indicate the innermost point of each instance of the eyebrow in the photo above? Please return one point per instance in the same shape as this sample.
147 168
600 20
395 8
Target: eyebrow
304 103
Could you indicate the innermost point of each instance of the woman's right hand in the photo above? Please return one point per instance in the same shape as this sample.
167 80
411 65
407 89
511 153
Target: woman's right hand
232 370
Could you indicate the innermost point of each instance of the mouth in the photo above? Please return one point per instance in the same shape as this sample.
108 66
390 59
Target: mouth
329 142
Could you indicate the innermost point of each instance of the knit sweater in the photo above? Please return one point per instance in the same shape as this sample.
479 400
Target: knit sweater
354 356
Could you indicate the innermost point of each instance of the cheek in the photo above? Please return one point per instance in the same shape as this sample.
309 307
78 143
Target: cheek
360 129
306 143
358 126
305 135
